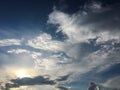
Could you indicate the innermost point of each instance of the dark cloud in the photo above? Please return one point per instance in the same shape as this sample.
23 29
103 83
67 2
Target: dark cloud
103 20
106 20
62 78
62 88
39 80
102 15
71 6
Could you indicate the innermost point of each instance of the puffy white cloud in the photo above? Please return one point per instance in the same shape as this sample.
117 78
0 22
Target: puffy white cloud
9 42
78 31
79 27
44 41
69 25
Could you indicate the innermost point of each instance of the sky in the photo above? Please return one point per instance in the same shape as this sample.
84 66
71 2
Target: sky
59 44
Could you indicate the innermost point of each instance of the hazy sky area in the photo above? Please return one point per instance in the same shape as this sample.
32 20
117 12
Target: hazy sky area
59 44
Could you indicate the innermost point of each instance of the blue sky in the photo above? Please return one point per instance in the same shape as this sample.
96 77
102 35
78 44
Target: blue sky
59 44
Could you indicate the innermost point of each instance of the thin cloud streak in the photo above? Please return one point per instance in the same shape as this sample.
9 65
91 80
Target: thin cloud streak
10 42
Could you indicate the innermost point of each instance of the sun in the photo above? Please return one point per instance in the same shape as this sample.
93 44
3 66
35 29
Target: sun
21 74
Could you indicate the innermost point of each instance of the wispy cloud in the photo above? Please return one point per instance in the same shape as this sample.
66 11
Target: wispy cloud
18 51
79 27
9 42
113 83
44 41
83 31
92 45
90 28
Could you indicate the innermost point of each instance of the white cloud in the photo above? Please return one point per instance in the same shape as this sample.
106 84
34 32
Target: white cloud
77 32
113 83
9 42
36 55
53 63
52 66
18 51
44 41
106 36
69 25
103 58
33 54
78 29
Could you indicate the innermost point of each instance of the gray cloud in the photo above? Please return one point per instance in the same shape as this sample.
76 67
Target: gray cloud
93 36
62 88
113 83
93 45
62 78
39 80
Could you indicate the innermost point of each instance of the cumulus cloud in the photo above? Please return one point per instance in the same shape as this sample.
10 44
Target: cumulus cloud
89 31
70 26
43 64
82 27
9 42
92 43
79 30
83 31
44 41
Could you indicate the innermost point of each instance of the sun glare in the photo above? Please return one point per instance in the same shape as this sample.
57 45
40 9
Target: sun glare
21 74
